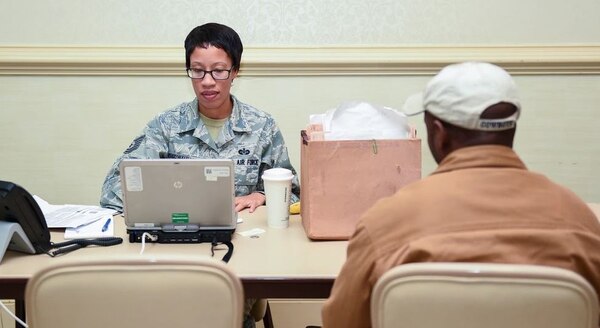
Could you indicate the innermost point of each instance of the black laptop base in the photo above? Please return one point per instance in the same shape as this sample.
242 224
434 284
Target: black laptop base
180 237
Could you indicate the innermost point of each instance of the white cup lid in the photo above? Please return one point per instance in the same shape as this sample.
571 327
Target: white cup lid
277 173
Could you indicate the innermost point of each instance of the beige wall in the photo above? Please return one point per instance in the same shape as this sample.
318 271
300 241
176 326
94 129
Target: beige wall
79 79
302 22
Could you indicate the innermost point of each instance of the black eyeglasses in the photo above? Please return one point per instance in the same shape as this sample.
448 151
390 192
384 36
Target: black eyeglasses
217 74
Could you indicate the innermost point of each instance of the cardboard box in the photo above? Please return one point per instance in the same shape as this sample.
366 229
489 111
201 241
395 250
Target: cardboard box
340 180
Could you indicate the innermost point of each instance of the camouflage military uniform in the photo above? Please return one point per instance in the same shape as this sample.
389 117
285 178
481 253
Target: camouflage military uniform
250 137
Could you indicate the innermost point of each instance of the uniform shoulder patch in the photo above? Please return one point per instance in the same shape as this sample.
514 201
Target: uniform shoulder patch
135 144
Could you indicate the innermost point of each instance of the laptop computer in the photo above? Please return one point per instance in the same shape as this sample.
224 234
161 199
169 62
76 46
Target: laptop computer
179 200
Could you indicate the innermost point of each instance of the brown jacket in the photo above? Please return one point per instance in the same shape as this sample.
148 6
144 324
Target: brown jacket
480 205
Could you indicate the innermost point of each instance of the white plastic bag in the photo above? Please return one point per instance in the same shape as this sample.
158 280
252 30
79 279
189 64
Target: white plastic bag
362 121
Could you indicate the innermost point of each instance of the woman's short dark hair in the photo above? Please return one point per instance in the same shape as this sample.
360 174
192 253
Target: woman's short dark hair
216 35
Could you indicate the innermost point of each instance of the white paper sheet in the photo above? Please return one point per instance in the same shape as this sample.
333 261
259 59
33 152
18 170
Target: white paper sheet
71 216
103 227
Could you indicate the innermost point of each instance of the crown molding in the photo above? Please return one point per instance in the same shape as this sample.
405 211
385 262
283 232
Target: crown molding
300 61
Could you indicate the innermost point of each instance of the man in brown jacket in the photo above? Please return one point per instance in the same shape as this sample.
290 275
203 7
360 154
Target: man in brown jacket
480 205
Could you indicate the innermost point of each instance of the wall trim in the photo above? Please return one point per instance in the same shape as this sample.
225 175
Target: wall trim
300 61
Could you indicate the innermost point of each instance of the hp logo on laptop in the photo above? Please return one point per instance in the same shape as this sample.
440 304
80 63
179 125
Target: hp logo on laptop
178 184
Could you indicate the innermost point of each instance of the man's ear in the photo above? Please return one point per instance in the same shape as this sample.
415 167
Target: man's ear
440 139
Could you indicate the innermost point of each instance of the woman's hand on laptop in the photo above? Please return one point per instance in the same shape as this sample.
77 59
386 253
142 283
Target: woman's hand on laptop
251 202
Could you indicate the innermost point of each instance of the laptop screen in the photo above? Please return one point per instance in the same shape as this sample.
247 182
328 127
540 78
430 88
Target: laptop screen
164 192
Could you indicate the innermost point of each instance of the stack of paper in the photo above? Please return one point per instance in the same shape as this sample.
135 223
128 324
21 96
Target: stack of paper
80 221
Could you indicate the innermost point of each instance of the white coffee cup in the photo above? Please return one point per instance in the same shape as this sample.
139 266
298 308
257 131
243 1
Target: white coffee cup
278 186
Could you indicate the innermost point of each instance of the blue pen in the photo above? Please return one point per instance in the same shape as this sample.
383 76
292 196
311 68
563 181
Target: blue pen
105 226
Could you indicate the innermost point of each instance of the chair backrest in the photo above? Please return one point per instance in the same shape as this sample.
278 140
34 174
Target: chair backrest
135 292
465 295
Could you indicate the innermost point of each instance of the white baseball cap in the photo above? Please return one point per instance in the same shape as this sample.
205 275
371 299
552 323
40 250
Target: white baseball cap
459 93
